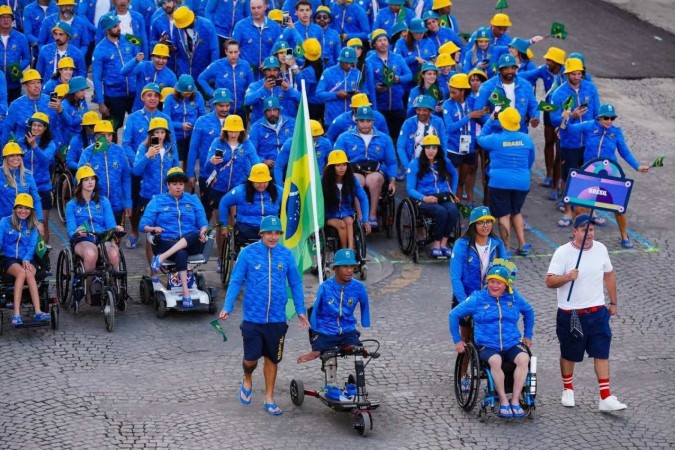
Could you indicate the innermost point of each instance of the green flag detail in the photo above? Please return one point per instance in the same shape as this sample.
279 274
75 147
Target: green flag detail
402 16
558 31
546 107
444 21
658 162
435 92
216 326
40 247
501 4
14 71
134 40
388 76
299 51
569 103
83 228
497 99
101 144
62 151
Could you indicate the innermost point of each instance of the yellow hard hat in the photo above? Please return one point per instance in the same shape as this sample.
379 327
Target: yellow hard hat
312 49
355 42
30 74
90 118
160 50
276 14
4 9
501 20
510 119
260 173
66 63
39 117
104 126
23 200
233 123
165 93
573 65
84 172
449 48
11 148
359 100
317 129
438 4
445 60
158 123
459 81
62 90
337 157
65 3
183 17
556 55
431 140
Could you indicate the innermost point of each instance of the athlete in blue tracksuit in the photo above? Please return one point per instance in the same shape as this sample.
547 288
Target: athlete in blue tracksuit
258 92
256 42
98 216
8 192
148 72
235 166
225 15
48 60
37 160
268 138
386 17
330 41
138 27
33 16
458 123
15 52
248 213
114 174
136 130
350 21
153 170
78 142
336 81
184 110
392 98
204 51
347 121
425 49
235 76
80 34
408 144
585 93
380 149
21 109
322 147
18 245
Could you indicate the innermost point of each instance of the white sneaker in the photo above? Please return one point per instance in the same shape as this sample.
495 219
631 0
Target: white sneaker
567 398
611 403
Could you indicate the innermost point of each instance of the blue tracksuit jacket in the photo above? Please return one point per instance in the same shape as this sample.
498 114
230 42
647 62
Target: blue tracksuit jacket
8 193
136 131
380 149
431 182
235 167
267 139
346 121
406 148
183 110
511 156
114 174
153 171
601 142
250 213
177 216
204 51
466 274
222 74
256 95
333 312
256 43
333 80
98 216
392 98
109 58
526 102
587 94
19 244
206 129
145 72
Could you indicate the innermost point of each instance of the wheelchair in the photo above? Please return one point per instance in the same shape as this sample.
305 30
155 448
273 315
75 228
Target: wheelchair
386 210
108 287
62 186
467 385
168 296
330 243
354 397
231 248
47 304
414 230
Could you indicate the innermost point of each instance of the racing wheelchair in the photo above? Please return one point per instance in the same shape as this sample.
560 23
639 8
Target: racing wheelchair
414 229
467 384
47 304
62 186
354 397
167 296
108 287
330 243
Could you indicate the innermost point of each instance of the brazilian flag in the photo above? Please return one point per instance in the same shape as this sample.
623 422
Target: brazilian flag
134 40
83 228
14 71
558 31
299 51
216 325
546 107
101 145
569 103
658 162
435 92
40 247
444 21
497 99
62 151
402 15
388 76
501 4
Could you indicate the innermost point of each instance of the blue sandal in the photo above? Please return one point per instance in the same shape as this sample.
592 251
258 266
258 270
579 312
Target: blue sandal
132 243
187 303
245 396
517 411
272 409
16 321
505 411
42 317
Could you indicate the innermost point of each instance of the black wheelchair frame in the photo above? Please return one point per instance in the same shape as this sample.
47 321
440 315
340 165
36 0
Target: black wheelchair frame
62 187
231 248
330 243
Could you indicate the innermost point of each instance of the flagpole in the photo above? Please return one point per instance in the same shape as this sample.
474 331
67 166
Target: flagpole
312 181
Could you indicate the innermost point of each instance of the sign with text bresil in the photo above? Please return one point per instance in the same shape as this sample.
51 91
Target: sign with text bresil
599 184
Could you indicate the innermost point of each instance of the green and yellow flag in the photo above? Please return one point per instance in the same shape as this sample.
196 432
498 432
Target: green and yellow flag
299 51
501 4
101 145
402 15
435 92
444 21
40 247
558 31
388 76
134 40
497 99
546 107
658 162
216 326
569 103
14 71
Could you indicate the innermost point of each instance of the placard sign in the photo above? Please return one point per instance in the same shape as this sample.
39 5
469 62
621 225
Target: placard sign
599 184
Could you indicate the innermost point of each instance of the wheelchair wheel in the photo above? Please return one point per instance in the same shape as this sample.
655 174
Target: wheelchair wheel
405 226
297 392
108 301
160 305
147 292
64 276
63 194
227 256
388 209
213 294
360 241
121 283
363 422
467 393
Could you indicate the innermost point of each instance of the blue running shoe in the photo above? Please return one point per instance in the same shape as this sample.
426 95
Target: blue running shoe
155 265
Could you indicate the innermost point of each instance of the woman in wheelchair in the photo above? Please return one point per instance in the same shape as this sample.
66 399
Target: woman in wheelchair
90 212
14 180
495 312
19 236
340 189
178 221
258 197
429 181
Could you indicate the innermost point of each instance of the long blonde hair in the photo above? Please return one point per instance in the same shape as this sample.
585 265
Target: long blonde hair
31 220
10 178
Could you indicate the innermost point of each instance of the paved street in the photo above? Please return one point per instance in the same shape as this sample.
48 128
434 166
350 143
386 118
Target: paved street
173 383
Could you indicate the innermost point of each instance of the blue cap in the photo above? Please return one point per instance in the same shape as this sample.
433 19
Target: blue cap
278 46
345 257
154 87
582 220
507 60
607 110
424 101
271 103
396 2
222 95
482 33
185 84
428 66
499 272
77 84
347 55
108 21
271 62
398 28
417 26
365 113
430 15
480 213
578 56
519 44
270 223
65 27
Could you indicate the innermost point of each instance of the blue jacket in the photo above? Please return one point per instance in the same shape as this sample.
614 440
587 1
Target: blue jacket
346 206
206 129
417 91
431 182
8 193
153 171
236 79
474 56
381 149
346 122
75 150
267 139
33 15
601 142
99 216
147 9
205 50
80 32
236 165
333 312
256 43
330 47
87 9
109 59
256 95
250 213
21 109
511 156
406 146
47 60
16 51
444 36
266 271
114 174
3 97
38 160
71 118
526 102
160 26
551 81
503 40
139 29
458 123
392 98
587 94
495 321
136 131
183 110
19 244
301 33
177 216
386 18
309 75
225 14
144 73
425 49
350 20
322 147
466 275
332 81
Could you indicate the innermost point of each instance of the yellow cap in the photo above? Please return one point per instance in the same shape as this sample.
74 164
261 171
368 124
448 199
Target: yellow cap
355 42
90 118
233 123
4 9
478 72
510 119
183 17
158 123
11 148
556 55
66 63
337 157
84 172
573 65
260 173
449 48
103 126
39 117
30 74
438 4
500 20
276 14
165 93
359 100
431 140
317 129
23 200
445 60
312 49
160 50
65 3
378 32
459 81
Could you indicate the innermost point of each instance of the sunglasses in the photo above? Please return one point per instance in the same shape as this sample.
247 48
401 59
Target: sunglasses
321 17
608 118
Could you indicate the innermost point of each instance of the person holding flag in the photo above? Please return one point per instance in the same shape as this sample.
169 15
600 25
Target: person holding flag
16 53
428 85
416 48
397 12
416 128
440 35
338 84
132 25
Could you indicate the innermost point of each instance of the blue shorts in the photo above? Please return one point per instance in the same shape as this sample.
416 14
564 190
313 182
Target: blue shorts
9 262
595 341
504 202
468 158
570 158
263 339
46 200
322 342
508 355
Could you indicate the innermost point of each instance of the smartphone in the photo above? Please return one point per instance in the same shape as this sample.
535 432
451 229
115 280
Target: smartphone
154 140
583 105
27 130
286 17
278 81
54 96
219 154
485 61
289 52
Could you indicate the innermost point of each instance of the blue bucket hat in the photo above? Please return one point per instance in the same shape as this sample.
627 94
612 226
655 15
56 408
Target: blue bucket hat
154 87
482 33
65 27
507 60
480 213
108 21
430 15
185 84
519 44
607 110
428 66
578 56
398 27
347 55
417 26
344 257
271 62
222 95
270 223
279 46
77 84
365 113
424 101
271 103
396 2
